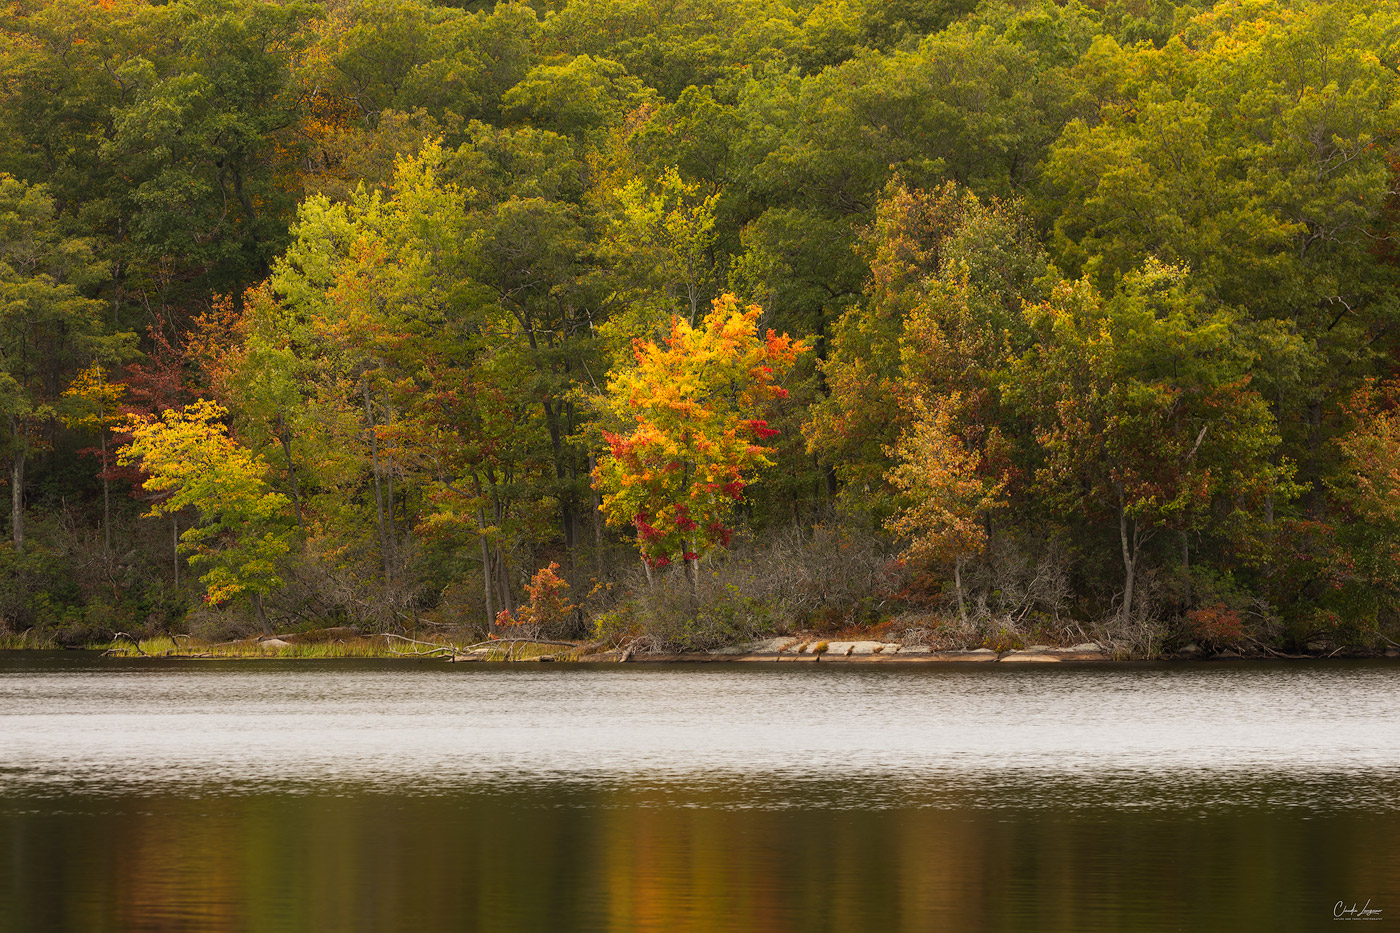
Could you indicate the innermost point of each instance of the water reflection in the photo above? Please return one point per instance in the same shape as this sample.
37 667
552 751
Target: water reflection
608 861
393 797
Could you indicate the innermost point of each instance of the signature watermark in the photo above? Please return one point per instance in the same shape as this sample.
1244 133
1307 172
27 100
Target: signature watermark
1344 911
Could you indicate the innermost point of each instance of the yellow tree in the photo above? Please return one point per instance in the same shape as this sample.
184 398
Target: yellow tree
691 426
244 528
946 498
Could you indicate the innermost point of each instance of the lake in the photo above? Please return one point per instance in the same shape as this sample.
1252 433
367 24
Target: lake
386 795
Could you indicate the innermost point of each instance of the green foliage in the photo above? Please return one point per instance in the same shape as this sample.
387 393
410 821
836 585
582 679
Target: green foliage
1122 276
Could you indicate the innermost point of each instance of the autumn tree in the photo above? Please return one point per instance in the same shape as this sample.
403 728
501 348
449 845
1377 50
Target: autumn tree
1362 576
941 316
946 497
689 428
244 531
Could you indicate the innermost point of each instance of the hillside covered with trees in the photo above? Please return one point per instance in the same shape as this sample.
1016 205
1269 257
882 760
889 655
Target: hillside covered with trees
689 321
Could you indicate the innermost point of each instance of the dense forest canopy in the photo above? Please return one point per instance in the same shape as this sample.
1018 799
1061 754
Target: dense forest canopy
998 321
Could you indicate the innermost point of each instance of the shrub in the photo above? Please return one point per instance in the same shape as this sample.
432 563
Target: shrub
1216 626
548 608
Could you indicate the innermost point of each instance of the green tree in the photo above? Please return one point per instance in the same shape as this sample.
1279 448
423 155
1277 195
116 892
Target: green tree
48 325
93 404
1146 420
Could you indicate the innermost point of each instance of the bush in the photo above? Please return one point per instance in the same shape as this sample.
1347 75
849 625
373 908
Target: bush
548 610
674 615
1216 626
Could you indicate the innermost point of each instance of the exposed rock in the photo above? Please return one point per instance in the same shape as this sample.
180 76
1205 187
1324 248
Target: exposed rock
1036 649
1087 646
980 654
1190 651
1228 654
1030 656
274 643
913 649
840 648
769 646
1315 647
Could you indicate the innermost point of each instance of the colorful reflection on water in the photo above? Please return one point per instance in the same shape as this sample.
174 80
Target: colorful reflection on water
363 796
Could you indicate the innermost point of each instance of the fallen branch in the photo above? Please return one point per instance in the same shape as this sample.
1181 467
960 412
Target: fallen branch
413 641
1278 654
436 652
134 643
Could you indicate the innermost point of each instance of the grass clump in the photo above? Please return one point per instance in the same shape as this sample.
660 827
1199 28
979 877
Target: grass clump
180 646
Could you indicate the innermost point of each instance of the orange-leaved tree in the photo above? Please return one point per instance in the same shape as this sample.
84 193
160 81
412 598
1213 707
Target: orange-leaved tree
691 426
948 496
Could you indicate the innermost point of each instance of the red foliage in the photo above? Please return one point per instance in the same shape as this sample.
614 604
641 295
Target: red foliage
761 429
1216 625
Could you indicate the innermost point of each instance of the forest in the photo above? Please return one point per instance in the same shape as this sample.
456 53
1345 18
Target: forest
686 322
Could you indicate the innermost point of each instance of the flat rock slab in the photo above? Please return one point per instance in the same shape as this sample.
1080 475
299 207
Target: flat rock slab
784 651
979 655
850 648
770 646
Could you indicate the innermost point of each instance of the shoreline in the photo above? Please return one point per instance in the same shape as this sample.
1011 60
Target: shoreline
773 651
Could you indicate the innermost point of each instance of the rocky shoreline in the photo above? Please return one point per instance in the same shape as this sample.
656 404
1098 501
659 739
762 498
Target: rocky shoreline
813 651
791 649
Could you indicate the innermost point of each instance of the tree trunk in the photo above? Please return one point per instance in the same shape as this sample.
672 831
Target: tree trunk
175 546
1315 501
262 613
1186 563
646 565
106 491
1129 559
385 547
597 516
502 570
389 506
503 581
285 437
486 565
958 587
17 497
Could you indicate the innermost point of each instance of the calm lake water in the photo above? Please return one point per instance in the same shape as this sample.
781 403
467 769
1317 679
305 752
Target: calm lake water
324 796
